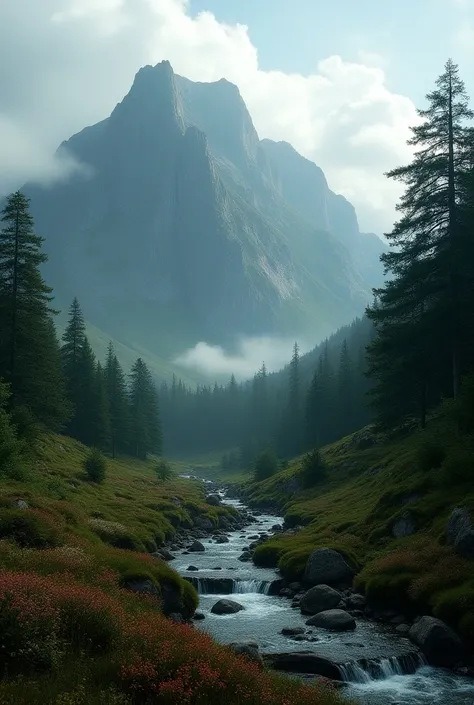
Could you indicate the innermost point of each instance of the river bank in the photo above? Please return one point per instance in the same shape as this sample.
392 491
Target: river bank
377 664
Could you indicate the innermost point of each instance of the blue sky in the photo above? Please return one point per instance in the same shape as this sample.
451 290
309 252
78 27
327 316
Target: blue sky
413 37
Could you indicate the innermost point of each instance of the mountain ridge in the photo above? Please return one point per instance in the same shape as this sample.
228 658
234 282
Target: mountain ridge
183 228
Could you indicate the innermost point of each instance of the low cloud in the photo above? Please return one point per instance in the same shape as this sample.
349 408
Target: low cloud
214 361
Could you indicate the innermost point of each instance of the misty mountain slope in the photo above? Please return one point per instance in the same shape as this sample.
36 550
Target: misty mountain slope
303 184
180 228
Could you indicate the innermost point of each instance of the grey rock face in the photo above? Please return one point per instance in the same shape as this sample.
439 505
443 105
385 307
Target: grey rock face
333 620
460 532
403 526
327 567
213 500
226 607
439 643
249 649
196 219
292 631
196 547
318 599
304 662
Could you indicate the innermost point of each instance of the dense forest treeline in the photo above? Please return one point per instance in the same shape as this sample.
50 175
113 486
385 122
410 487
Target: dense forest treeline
411 350
55 385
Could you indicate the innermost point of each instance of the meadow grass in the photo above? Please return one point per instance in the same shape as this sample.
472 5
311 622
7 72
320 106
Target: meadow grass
70 631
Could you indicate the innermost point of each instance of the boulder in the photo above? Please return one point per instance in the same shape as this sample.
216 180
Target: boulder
327 567
333 620
403 629
21 504
198 616
356 602
196 547
403 526
143 586
286 592
460 532
319 599
214 500
245 557
226 607
303 662
441 646
292 631
164 554
192 568
249 649
222 539
204 523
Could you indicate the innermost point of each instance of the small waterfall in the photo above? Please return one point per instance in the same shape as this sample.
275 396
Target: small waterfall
241 587
228 586
365 671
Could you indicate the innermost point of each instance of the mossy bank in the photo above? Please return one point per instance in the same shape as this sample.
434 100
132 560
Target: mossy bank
384 504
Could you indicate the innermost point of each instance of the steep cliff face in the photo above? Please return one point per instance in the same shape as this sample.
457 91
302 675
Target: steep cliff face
186 227
303 184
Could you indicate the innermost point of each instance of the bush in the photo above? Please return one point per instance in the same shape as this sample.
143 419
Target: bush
29 528
458 466
266 465
164 471
313 469
430 455
95 466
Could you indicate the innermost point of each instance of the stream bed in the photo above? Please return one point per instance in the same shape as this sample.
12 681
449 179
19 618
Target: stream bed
394 673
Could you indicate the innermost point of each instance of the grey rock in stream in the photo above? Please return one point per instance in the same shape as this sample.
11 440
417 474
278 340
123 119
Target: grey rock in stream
303 662
318 599
333 620
196 547
249 649
226 607
327 567
439 643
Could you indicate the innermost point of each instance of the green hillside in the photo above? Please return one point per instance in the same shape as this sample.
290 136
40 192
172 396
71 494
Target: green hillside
377 489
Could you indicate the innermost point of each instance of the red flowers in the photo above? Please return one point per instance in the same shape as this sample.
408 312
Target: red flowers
45 620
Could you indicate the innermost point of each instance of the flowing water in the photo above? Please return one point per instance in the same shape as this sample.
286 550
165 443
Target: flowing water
379 667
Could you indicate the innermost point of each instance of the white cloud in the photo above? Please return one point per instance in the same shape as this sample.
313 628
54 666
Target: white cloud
65 63
213 360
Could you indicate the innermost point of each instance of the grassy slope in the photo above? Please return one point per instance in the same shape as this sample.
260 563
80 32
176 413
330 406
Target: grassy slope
354 511
69 633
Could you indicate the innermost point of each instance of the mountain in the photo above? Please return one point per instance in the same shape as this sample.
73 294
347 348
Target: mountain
184 226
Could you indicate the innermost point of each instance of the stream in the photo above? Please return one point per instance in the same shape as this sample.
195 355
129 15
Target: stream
394 673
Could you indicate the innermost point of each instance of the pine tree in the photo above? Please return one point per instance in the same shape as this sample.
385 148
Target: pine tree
116 389
421 308
146 436
345 392
100 413
28 345
71 352
291 432
85 417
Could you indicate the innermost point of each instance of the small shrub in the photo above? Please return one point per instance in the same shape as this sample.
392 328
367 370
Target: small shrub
29 528
430 455
266 465
95 466
164 471
458 467
313 469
